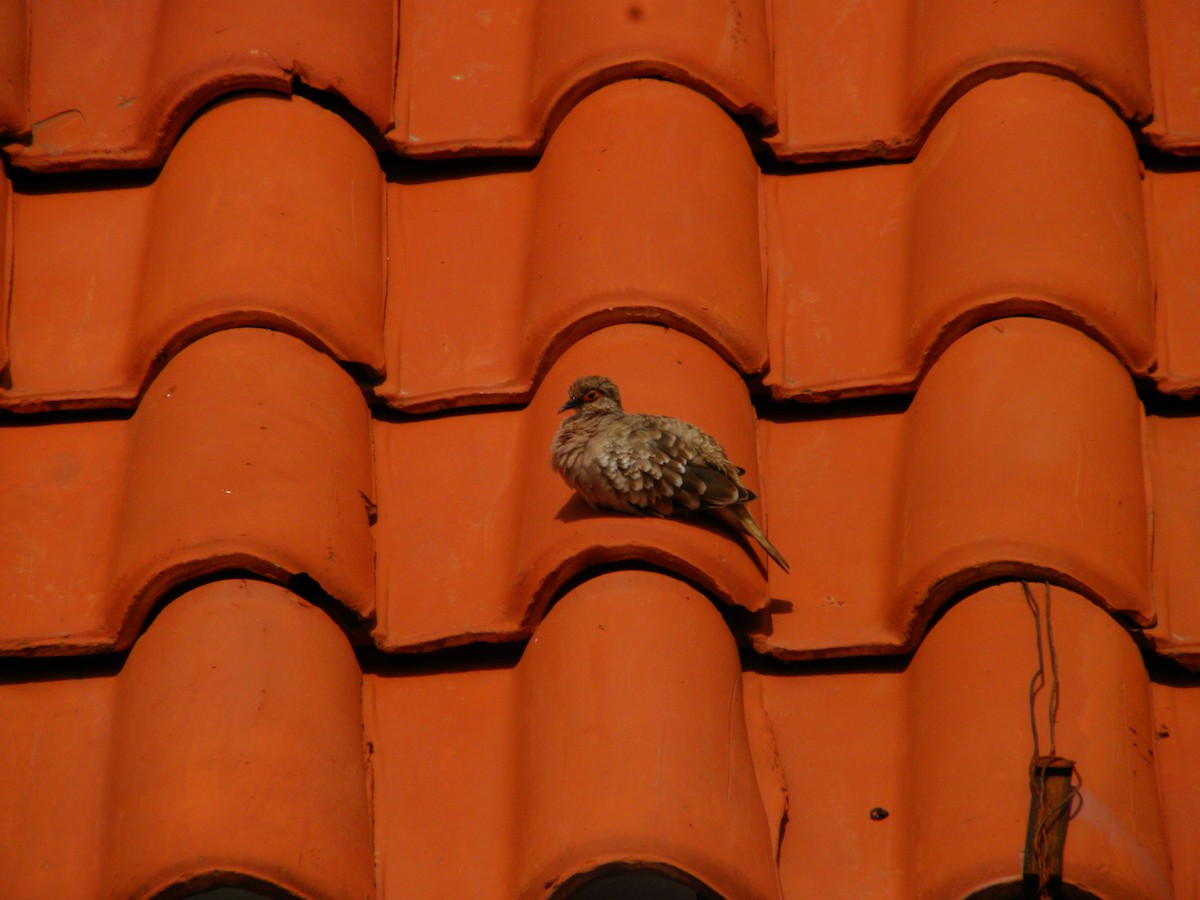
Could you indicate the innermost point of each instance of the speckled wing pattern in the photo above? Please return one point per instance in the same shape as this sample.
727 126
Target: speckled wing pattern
657 465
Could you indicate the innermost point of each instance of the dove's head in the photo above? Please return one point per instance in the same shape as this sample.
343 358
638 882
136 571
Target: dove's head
592 394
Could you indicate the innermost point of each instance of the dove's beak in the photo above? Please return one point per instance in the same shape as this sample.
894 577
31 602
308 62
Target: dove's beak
570 404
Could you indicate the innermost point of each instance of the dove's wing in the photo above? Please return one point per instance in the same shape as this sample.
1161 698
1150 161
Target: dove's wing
648 464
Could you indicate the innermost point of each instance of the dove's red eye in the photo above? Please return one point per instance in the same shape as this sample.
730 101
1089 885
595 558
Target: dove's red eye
591 396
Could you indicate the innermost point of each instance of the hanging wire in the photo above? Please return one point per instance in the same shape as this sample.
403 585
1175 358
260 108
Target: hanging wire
1039 677
1047 815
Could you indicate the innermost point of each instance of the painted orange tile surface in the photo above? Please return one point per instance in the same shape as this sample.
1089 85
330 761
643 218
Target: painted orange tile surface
291 599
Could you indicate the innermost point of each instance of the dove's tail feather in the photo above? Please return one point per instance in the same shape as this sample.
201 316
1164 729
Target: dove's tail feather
747 523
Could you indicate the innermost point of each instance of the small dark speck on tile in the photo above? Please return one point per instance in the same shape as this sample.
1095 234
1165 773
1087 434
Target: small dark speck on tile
636 13
878 814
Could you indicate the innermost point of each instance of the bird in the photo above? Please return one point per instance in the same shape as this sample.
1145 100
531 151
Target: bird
647 464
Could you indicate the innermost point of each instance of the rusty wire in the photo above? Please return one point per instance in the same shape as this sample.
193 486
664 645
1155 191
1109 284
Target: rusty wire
1047 815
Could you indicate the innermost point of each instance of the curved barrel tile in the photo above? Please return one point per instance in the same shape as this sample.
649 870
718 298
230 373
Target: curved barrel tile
238 750
1171 29
76 295
643 232
898 65
249 223
450 505
162 61
57 732
1038 210
6 267
833 520
445 579
1023 454
253 451
493 78
632 754
270 211
1020 456
1176 728
1173 443
14 68
618 230
60 500
661 371
1173 210
969 726
443 747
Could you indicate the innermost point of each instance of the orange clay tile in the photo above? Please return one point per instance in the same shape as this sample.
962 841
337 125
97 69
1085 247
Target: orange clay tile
1174 445
14 54
534 788
944 746
1176 732
1020 456
228 744
250 451
248 224
6 267
867 79
1173 32
478 77
1026 198
1174 212
532 259
474 768
238 750
477 533
57 732
111 85
492 276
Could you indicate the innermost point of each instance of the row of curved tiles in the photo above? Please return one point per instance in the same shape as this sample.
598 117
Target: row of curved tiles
867 272
1025 453
241 744
486 78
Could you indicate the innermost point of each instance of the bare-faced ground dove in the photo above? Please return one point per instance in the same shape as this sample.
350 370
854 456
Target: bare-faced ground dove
646 464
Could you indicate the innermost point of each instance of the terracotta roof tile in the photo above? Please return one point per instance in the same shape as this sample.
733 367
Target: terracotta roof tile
229 742
1172 443
323 371
1172 27
944 747
1036 210
161 62
250 451
892 514
6 260
580 258
1174 212
14 35
1176 724
494 78
654 725
1064 236
868 79
476 78
528 533
141 269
